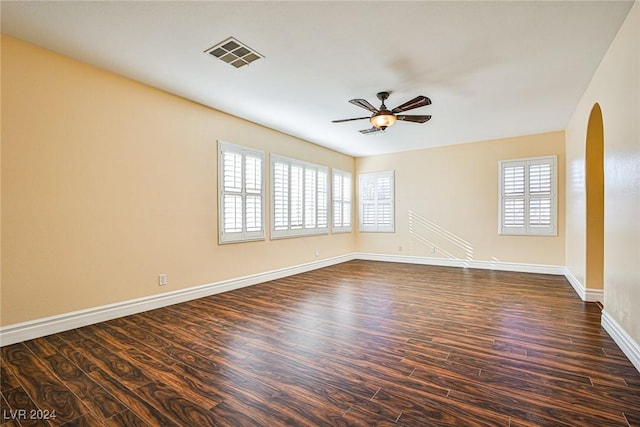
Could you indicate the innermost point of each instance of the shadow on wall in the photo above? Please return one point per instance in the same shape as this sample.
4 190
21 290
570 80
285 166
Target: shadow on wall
431 239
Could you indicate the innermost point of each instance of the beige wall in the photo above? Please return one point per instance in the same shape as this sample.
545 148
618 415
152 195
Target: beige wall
616 88
106 183
447 198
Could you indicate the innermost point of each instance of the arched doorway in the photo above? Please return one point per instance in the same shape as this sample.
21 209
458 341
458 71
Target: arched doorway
594 183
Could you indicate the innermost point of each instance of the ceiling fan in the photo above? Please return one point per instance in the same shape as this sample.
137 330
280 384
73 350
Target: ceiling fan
382 117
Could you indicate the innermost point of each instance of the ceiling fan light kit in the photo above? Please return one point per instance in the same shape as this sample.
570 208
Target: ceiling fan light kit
382 117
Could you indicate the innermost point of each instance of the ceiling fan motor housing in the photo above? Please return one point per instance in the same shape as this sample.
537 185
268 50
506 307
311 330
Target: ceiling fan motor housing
382 96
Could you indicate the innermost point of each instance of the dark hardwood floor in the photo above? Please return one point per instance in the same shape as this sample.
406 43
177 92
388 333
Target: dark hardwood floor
360 343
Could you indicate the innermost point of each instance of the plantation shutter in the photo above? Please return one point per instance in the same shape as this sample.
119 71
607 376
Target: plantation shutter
310 198
514 197
377 202
280 196
528 196
341 201
241 199
540 195
299 198
297 202
253 188
322 199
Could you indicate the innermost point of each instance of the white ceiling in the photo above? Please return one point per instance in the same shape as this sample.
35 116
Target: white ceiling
492 69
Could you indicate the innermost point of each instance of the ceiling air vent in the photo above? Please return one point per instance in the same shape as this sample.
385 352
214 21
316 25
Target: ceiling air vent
234 52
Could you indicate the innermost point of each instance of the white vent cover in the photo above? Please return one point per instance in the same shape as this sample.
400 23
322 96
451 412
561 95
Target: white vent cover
234 52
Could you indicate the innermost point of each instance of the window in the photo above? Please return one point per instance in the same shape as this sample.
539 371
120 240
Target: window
528 202
341 208
299 198
376 202
241 193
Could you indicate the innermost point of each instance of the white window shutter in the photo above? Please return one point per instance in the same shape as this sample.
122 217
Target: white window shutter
232 171
232 213
280 178
376 192
299 198
241 193
310 200
341 206
322 199
528 196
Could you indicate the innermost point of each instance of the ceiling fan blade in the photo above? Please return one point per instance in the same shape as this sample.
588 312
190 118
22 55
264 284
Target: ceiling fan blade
415 119
372 130
348 120
417 102
363 103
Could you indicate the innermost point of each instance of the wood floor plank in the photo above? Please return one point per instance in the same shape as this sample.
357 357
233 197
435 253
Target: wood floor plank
436 407
96 398
126 372
21 409
356 344
139 406
134 401
47 392
150 367
360 416
237 389
7 379
86 420
305 382
183 411
512 400
125 418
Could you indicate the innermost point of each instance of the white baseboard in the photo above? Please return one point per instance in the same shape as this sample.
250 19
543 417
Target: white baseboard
450 262
24 331
19 332
589 295
628 346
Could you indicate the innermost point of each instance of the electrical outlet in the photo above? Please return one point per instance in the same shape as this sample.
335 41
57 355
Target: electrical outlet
400 248
162 279
432 249
317 253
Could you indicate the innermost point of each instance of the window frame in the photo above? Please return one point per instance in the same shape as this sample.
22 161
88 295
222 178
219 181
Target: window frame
342 201
376 228
528 229
317 199
244 235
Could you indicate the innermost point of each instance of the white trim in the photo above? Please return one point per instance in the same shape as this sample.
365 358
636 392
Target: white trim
24 331
628 346
589 295
594 295
577 285
452 262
